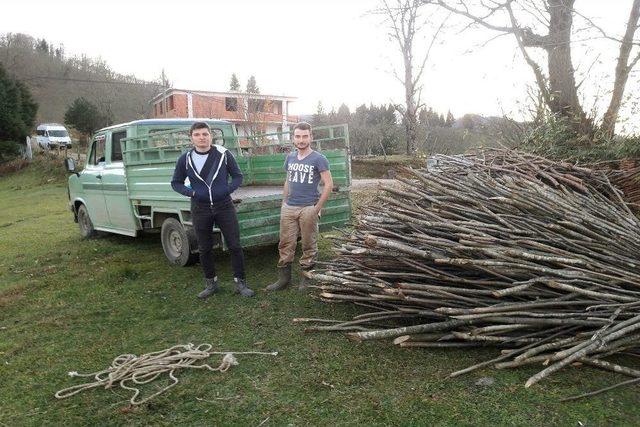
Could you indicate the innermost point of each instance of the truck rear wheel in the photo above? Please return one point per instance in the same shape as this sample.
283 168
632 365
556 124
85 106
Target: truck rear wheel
178 243
84 223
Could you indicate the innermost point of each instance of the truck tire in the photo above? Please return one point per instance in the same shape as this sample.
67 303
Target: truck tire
84 223
178 243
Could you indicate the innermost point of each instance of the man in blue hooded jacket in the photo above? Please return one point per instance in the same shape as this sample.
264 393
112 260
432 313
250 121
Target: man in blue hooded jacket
208 168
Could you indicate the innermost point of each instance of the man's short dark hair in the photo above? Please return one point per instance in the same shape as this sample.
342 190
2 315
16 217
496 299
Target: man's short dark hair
303 126
199 125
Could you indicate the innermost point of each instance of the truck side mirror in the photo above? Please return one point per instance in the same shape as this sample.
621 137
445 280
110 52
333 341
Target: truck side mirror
70 164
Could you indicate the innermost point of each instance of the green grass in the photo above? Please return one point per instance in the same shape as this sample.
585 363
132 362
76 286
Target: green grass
68 304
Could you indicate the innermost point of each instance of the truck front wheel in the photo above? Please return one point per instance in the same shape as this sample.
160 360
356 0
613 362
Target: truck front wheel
178 243
85 224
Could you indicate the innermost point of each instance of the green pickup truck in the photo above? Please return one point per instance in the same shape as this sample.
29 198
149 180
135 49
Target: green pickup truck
125 187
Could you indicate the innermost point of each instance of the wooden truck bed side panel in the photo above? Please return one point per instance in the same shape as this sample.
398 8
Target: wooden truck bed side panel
260 218
152 182
268 169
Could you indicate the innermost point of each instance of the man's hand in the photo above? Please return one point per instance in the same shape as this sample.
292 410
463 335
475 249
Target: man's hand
327 181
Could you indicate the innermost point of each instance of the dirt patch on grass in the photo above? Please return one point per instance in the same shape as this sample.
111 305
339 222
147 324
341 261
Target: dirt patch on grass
363 197
365 191
12 295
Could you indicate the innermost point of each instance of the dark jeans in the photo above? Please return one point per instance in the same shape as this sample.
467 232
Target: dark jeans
223 214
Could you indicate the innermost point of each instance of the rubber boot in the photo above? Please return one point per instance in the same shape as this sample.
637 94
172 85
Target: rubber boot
242 288
284 279
303 284
211 287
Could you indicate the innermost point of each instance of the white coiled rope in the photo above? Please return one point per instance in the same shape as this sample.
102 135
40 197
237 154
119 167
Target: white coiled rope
129 370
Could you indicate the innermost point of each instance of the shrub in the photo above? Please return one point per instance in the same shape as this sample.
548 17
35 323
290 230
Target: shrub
12 166
9 150
554 139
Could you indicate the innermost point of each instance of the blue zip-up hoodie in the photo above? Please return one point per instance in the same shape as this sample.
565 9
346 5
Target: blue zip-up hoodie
213 185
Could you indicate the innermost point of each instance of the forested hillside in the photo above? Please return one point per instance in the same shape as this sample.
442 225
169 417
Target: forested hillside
56 80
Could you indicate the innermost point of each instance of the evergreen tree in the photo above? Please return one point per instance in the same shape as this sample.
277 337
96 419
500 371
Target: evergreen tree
29 108
390 114
252 86
468 122
422 117
320 117
59 52
85 116
344 115
430 118
42 46
373 130
17 114
450 120
17 109
234 85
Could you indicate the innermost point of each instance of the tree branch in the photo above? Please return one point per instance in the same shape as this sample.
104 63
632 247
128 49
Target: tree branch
481 20
600 29
527 36
537 71
623 67
426 56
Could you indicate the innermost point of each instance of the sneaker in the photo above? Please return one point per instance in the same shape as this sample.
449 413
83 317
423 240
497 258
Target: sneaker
242 288
211 287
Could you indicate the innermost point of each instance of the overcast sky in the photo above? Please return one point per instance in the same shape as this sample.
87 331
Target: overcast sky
331 51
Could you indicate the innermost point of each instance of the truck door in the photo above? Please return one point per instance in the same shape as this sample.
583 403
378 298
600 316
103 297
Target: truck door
91 178
117 200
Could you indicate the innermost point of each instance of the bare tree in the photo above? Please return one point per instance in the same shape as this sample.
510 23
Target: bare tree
623 68
548 27
253 112
403 20
252 109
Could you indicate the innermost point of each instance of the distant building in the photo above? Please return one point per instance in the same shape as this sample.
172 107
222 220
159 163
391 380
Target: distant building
252 113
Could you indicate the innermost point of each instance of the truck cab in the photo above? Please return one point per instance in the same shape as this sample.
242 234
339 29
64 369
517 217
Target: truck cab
102 186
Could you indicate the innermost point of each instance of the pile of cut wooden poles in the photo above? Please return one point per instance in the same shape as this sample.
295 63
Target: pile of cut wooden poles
538 258
625 175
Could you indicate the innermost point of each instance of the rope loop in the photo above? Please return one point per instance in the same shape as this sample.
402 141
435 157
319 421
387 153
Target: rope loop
129 370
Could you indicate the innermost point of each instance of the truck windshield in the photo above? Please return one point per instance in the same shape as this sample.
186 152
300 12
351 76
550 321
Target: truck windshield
58 133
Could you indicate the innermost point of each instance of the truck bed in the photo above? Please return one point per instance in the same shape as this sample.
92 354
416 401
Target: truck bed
257 191
150 160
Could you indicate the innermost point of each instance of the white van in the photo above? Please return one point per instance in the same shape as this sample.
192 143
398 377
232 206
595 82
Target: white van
53 135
